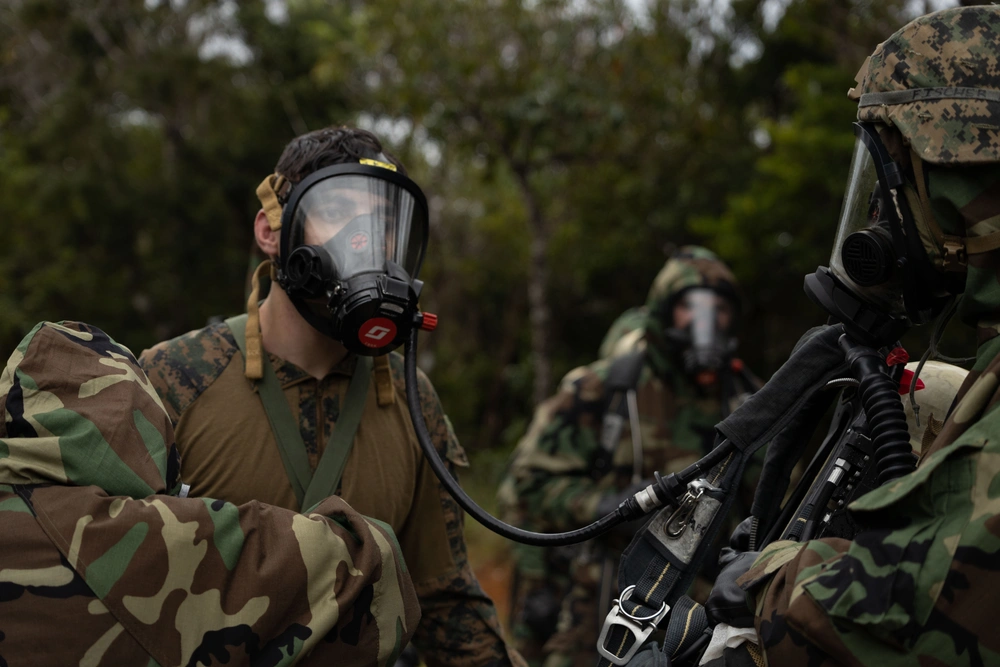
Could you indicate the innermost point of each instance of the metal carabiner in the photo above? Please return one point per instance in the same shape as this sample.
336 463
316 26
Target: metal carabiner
678 521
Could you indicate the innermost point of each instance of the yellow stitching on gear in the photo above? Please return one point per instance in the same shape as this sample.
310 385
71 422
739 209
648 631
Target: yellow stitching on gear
377 163
687 626
658 580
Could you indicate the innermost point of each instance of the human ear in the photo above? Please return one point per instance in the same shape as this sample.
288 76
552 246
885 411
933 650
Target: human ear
268 240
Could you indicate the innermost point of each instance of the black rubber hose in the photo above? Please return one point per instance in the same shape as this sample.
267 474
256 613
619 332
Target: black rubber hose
627 511
883 410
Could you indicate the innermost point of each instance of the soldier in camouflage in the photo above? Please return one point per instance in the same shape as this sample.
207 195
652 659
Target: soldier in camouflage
922 584
541 575
101 563
556 481
229 448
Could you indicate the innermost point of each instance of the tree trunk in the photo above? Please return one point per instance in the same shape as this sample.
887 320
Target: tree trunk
538 279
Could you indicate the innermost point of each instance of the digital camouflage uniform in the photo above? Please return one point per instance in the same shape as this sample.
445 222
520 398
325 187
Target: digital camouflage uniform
550 486
228 450
100 567
922 584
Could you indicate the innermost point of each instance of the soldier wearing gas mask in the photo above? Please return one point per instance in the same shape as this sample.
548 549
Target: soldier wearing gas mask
920 222
650 406
299 398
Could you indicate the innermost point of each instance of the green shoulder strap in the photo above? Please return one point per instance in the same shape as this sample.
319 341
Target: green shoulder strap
309 489
331 466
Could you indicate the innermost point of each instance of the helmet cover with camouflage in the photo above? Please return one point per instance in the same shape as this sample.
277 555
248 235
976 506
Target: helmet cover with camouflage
938 81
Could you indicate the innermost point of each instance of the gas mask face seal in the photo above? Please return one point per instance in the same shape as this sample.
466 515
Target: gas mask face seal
353 238
880 280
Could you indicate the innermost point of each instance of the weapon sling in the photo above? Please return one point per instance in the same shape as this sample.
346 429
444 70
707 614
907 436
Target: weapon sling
309 487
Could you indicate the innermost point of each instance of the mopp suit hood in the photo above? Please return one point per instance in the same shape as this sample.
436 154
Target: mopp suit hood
96 554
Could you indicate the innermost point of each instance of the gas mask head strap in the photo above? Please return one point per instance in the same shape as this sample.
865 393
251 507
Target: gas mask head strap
254 362
273 193
956 248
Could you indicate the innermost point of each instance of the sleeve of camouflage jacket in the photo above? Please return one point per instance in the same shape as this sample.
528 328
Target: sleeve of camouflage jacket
920 586
551 467
459 626
203 581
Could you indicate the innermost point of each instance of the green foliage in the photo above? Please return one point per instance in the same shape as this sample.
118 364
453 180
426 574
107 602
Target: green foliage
132 158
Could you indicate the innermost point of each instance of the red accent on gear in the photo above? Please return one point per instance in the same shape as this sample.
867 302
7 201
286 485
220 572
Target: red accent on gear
904 383
897 356
736 365
429 322
359 241
377 332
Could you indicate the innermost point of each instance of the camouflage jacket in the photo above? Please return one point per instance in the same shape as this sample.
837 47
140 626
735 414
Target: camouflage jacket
99 566
922 580
223 437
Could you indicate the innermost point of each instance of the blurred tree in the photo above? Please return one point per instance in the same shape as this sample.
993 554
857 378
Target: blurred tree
134 133
540 95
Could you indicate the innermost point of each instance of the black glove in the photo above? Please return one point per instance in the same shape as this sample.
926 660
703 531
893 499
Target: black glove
727 603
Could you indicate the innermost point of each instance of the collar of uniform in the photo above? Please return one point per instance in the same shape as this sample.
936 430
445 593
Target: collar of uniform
289 374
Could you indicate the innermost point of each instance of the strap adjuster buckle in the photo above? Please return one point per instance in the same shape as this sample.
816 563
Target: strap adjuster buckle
956 256
637 625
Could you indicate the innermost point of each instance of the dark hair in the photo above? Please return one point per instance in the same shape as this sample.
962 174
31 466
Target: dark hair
332 145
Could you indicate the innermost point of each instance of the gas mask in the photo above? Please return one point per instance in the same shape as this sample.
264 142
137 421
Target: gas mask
702 326
353 238
880 280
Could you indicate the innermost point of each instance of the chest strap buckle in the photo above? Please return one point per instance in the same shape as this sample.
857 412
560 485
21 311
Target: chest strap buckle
636 625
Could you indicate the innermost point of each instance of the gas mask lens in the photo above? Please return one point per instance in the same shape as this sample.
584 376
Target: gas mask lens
353 239
707 317
864 255
361 222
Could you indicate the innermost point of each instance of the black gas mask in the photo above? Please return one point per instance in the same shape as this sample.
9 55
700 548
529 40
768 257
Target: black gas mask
703 321
353 238
880 280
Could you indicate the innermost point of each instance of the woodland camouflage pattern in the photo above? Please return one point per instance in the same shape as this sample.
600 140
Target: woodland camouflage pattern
631 320
922 584
549 486
98 566
459 626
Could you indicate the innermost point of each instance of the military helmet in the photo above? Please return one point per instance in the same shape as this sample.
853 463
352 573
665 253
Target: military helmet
938 81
